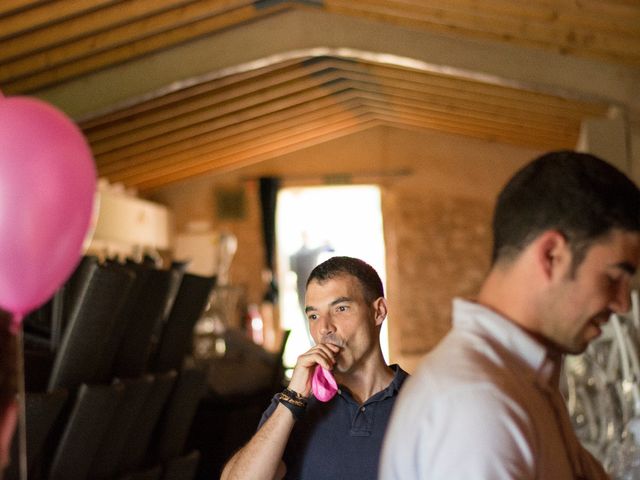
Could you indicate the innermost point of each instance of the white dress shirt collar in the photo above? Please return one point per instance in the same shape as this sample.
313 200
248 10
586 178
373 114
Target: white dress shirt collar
473 316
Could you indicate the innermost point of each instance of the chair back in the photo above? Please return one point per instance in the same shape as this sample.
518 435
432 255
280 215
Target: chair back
89 420
43 328
151 309
177 417
42 410
106 372
72 293
153 473
182 468
106 462
138 437
86 338
176 338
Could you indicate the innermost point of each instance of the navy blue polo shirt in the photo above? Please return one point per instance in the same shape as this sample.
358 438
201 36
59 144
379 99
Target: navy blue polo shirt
339 438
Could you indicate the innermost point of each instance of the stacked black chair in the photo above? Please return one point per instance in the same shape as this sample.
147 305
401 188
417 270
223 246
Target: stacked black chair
148 315
89 420
43 328
42 411
106 373
177 333
176 419
138 438
153 473
71 295
108 458
84 345
114 336
37 326
182 468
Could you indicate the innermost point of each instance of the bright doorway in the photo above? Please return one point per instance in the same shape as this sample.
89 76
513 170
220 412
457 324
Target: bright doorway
328 221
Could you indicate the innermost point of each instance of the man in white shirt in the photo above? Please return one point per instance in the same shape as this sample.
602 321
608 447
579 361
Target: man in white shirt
485 404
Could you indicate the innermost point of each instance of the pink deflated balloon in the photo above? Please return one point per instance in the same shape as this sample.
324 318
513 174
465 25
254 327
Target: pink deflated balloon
47 188
323 384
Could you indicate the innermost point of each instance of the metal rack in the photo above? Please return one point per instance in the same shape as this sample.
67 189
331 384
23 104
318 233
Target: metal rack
602 388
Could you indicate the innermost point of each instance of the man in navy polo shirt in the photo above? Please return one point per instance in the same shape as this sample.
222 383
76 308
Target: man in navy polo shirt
301 437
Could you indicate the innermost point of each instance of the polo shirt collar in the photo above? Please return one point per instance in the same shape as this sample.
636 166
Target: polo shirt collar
392 389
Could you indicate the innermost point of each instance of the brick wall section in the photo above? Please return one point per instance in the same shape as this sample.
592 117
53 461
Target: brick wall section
441 250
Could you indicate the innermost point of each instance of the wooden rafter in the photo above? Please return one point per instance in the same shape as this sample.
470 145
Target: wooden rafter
232 121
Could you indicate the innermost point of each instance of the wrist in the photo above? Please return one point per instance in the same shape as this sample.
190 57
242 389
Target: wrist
294 402
296 394
301 387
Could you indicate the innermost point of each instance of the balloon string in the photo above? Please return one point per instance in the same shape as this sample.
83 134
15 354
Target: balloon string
16 324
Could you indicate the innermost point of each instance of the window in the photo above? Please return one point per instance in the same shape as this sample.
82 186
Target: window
327 221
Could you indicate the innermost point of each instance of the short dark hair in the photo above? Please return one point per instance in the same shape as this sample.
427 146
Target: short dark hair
578 194
365 273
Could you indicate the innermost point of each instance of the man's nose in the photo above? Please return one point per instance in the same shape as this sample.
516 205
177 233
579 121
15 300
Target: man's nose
621 303
325 325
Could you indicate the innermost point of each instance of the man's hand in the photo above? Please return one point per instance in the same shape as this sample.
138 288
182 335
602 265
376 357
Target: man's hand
261 458
323 354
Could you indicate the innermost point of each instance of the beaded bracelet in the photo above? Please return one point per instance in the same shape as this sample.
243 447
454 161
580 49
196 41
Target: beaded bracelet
295 402
295 395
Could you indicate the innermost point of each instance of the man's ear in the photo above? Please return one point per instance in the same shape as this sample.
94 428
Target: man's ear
552 254
380 309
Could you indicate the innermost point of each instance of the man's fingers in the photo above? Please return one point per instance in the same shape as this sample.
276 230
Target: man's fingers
318 355
323 354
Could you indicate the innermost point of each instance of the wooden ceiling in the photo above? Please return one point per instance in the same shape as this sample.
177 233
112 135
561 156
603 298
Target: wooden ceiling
226 121
245 118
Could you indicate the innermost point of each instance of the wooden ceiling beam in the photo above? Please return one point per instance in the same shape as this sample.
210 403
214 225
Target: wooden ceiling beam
463 88
256 104
97 20
272 143
439 16
220 166
233 141
43 14
457 99
570 130
123 40
558 14
612 9
514 115
108 48
256 126
234 162
237 96
13 7
490 132
183 94
530 10
409 124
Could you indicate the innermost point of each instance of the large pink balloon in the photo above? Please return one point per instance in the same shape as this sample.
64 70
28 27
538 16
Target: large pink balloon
47 187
